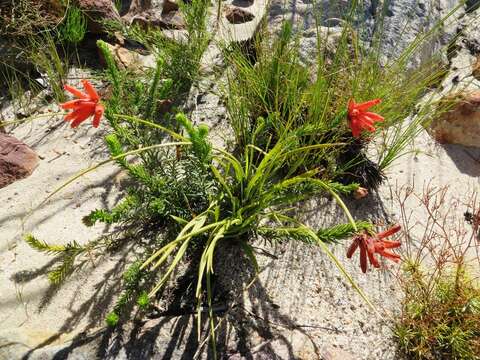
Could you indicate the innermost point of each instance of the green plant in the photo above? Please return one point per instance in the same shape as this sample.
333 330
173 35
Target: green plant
441 315
292 143
272 81
51 59
25 18
74 27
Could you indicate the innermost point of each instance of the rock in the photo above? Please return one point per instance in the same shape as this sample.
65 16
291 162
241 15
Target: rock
137 7
476 69
460 125
128 59
332 353
17 160
169 5
172 20
98 11
236 15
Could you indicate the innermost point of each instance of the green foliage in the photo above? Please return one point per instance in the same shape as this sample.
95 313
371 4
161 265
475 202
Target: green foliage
440 316
292 143
198 137
310 97
74 27
51 58
112 319
143 301
68 254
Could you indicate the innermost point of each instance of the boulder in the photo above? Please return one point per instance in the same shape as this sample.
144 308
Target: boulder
129 59
236 15
169 5
17 160
98 11
461 124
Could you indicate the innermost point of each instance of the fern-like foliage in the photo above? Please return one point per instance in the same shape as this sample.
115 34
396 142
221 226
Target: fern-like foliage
43 246
198 136
68 254
342 231
329 235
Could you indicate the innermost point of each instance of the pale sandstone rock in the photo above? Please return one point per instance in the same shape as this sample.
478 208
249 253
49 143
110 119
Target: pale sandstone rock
128 59
460 125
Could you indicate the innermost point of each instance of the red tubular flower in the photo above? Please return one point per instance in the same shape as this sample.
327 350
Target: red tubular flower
86 105
360 119
369 246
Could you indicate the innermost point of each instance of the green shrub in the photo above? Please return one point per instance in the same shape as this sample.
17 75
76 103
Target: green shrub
74 27
292 143
440 315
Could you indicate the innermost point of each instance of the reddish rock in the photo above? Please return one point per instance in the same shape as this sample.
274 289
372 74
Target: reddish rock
236 15
98 11
169 6
17 160
460 125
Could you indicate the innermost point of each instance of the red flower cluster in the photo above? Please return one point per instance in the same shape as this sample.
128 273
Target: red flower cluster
84 106
369 246
360 119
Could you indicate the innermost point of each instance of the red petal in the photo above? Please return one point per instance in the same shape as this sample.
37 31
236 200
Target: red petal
90 90
363 258
352 248
389 255
80 115
367 105
351 105
366 124
78 103
75 92
373 116
373 260
81 118
369 244
72 104
391 231
72 115
99 109
356 129
365 120
391 244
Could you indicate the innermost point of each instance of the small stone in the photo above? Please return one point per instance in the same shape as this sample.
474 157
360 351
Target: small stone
17 160
360 193
236 15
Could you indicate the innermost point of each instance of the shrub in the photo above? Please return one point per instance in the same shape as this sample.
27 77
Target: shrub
292 143
440 314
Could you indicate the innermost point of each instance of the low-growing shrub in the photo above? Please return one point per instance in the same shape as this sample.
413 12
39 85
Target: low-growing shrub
298 135
440 314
